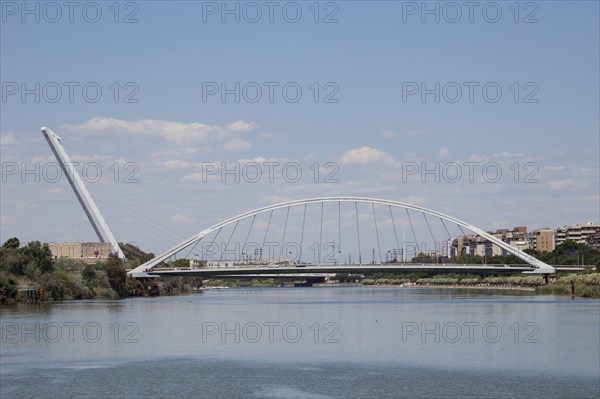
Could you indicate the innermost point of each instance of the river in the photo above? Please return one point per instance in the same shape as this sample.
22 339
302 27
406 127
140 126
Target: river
319 342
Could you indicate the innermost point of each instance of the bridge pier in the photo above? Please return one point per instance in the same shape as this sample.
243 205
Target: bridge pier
310 281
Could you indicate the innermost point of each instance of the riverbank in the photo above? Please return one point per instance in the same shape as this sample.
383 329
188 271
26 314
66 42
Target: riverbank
465 287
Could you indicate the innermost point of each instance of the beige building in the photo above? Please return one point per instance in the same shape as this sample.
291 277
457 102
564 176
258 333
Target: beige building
544 240
80 250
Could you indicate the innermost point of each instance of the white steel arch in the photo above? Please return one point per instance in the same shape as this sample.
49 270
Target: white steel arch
141 270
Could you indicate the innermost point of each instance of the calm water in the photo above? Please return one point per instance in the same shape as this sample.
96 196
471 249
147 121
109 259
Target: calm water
343 342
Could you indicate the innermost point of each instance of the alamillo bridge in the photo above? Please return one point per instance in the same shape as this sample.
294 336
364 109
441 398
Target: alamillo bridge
356 222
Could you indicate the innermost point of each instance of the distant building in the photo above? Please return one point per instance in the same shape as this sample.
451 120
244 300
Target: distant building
576 232
518 238
594 241
473 245
87 251
544 240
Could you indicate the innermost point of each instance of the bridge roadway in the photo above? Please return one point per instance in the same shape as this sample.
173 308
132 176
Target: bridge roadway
311 270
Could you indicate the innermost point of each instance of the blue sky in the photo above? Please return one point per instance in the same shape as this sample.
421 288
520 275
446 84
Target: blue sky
369 58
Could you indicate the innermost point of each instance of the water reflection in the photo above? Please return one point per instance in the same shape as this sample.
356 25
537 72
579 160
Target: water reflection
371 327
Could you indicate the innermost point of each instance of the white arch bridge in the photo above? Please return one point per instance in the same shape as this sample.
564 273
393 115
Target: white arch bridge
348 227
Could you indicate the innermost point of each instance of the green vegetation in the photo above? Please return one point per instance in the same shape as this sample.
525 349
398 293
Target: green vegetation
570 253
134 253
32 266
180 264
567 253
461 280
585 285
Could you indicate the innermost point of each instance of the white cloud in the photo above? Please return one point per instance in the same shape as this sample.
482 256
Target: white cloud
275 199
594 198
178 218
364 155
444 152
241 126
176 132
583 171
8 139
177 164
270 135
237 145
388 134
309 157
194 177
262 160
27 205
555 168
506 154
556 185
501 156
54 190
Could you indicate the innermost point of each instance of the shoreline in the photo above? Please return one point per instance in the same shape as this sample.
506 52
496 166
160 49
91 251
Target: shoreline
473 287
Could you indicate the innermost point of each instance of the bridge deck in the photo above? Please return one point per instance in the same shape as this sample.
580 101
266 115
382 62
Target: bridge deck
307 270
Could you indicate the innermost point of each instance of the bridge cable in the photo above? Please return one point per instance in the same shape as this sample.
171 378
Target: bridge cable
358 234
266 232
190 251
447 232
464 235
321 233
449 236
462 231
377 233
132 251
431 232
226 245
248 236
284 229
302 233
412 228
113 198
153 237
339 229
111 201
394 226
211 243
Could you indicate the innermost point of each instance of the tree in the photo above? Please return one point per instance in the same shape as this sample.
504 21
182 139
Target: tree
117 277
14 261
133 252
88 273
40 254
12 243
135 287
181 264
56 284
8 289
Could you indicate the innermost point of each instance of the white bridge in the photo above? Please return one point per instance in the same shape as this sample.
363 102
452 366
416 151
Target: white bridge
356 230
144 269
